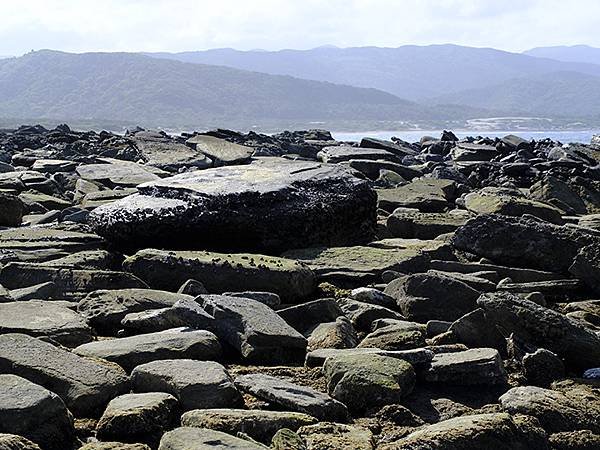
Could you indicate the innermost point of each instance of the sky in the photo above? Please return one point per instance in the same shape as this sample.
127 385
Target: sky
184 25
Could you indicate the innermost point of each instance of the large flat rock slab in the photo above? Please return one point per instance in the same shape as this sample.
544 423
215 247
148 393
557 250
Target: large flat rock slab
221 151
270 205
175 343
190 438
45 319
85 385
220 272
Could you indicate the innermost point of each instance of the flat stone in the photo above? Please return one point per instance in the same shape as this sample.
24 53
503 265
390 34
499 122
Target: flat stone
254 329
470 367
113 446
35 413
543 327
342 153
516 274
337 334
308 204
45 319
473 152
398 148
372 169
395 337
132 351
494 430
222 152
53 165
368 380
292 396
171 156
220 272
330 436
85 385
196 384
116 173
137 417
426 195
362 315
92 200
305 316
15 442
258 424
408 223
416 357
105 309
190 438
574 409
47 201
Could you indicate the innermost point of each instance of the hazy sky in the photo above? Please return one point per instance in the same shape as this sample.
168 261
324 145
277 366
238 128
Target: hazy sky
178 25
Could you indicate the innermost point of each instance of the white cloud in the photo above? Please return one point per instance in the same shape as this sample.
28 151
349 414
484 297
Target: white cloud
177 25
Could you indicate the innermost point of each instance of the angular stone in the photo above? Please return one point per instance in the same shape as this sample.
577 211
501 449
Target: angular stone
465 151
189 438
45 319
305 316
523 241
342 153
15 442
113 446
432 296
34 412
196 384
415 357
574 440
53 165
169 155
137 417
308 204
426 195
362 315
338 334
222 152
478 366
292 396
258 424
543 327
408 223
368 380
85 385
494 430
397 147
104 309
116 173
395 337
221 272
11 210
176 343
332 436
49 202
254 329
556 411
542 367
372 169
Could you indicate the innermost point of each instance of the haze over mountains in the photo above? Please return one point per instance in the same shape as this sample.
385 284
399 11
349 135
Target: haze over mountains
334 87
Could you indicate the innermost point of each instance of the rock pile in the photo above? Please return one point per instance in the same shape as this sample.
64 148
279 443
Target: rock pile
243 291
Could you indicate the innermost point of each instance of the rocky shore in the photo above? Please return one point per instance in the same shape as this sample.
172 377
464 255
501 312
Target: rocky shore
221 290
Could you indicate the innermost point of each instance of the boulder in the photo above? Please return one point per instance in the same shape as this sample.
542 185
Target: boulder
428 296
222 152
175 343
292 396
478 366
308 204
416 357
305 316
220 272
258 424
543 327
196 384
395 337
190 438
85 385
169 155
413 224
15 442
334 436
45 319
542 367
338 334
254 329
426 195
368 380
104 309
362 315
574 409
574 440
343 153
11 210
114 172
494 430
137 417
523 241
35 413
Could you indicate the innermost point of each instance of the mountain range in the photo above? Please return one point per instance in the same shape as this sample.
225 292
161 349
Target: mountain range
325 86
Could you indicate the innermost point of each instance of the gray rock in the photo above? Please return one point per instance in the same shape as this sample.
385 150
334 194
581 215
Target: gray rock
45 319
188 438
34 412
137 417
259 425
85 385
175 343
286 439
410 223
268 298
113 446
368 380
574 409
196 384
574 440
494 430
15 442
309 204
254 329
416 357
542 367
338 334
104 309
343 153
305 316
292 396
222 152
220 272
171 156
330 436
478 366
427 296
523 241
184 313
192 287
373 296
362 315
543 327
426 195
53 165
11 210
116 172
395 337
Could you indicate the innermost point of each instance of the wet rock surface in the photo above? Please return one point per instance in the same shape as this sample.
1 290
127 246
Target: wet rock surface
288 291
